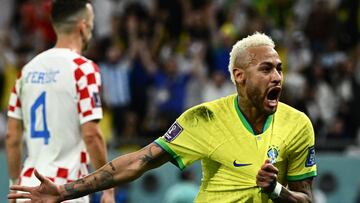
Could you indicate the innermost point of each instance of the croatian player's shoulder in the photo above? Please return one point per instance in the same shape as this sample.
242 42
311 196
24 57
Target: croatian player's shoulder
40 58
63 54
291 114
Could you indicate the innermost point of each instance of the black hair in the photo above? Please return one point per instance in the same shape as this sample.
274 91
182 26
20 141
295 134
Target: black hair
62 10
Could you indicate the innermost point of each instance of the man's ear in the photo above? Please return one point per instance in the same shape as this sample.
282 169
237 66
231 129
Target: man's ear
81 26
239 75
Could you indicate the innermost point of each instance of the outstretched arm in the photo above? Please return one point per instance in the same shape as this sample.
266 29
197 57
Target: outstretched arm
120 170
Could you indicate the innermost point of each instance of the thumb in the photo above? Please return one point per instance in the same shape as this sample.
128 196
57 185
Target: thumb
39 176
267 161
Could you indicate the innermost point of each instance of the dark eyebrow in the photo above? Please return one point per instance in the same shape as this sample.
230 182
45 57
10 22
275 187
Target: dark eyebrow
271 64
267 63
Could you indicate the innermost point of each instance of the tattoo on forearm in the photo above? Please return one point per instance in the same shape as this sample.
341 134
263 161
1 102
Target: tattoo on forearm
303 186
298 192
71 191
112 166
153 156
106 180
148 156
102 179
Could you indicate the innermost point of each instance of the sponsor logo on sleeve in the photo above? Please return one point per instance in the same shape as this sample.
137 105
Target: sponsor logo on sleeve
97 99
310 160
173 132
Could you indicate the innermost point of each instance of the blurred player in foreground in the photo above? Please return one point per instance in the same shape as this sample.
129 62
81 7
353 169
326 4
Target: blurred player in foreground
56 102
253 148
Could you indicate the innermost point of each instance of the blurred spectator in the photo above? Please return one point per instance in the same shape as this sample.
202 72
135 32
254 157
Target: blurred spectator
184 191
217 87
321 16
338 130
115 73
324 96
6 10
8 71
331 55
104 10
193 63
170 86
121 195
14 60
35 22
319 196
299 58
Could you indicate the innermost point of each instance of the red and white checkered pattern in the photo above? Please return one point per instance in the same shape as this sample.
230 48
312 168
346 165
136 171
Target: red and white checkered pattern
61 89
88 85
60 176
14 101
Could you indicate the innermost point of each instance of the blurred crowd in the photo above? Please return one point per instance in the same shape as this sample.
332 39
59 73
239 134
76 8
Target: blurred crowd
158 58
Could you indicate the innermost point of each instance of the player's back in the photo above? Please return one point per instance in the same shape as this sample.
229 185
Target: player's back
54 97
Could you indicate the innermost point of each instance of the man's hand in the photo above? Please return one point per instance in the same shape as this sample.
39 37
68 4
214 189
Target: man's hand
108 196
47 191
267 177
12 200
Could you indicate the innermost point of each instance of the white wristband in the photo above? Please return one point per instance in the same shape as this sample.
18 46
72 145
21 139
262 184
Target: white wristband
276 193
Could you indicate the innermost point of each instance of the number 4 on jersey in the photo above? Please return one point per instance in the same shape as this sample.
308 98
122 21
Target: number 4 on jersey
44 133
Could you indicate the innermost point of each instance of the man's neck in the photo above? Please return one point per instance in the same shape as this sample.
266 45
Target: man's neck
69 41
255 118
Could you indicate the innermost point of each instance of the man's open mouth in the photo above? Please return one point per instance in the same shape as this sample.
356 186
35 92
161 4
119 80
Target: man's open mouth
273 95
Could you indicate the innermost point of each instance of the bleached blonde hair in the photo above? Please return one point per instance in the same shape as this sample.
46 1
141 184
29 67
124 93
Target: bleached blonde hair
254 40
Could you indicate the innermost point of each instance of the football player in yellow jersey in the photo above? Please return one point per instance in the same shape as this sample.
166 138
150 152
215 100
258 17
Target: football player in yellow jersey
253 148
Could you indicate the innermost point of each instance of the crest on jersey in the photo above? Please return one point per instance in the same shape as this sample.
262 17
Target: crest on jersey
173 132
310 160
273 153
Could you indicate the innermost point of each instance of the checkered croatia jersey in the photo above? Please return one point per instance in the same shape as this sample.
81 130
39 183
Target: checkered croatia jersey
56 92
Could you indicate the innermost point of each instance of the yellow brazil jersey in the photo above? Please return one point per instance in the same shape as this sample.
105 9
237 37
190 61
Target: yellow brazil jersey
218 134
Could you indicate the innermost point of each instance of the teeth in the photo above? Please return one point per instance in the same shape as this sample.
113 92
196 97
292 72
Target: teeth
272 102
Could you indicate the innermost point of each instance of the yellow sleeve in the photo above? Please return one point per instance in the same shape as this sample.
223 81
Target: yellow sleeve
301 152
187 138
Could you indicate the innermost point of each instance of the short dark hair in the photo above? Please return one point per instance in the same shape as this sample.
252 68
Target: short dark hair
63 10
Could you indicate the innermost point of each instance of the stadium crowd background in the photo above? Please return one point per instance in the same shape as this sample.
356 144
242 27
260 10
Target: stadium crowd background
159 57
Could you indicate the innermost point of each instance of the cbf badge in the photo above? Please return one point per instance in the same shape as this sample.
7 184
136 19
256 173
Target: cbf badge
273 153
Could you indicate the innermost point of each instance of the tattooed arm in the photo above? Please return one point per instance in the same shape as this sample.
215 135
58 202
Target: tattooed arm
120 170
297 191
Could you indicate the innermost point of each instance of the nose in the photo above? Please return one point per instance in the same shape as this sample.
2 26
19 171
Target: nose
276 76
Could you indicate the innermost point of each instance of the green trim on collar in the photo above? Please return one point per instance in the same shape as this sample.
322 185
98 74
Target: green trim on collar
268 121
246 122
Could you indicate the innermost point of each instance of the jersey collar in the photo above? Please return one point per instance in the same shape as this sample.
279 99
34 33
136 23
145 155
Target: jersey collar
246 123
